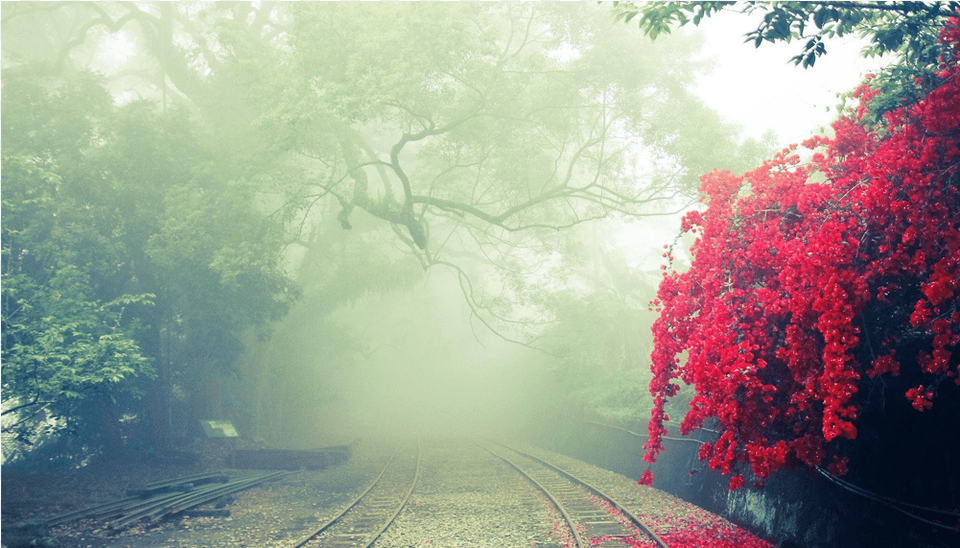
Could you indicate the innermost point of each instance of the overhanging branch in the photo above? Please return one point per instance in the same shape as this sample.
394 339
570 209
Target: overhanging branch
466 287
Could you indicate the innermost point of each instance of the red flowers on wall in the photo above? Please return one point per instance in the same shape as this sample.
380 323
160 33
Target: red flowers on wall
807 278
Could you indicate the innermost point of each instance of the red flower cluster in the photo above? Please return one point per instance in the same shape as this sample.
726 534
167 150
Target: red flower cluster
707 532
793 261
699 530
646 478
920 398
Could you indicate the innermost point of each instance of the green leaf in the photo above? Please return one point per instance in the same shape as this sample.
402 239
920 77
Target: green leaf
820 16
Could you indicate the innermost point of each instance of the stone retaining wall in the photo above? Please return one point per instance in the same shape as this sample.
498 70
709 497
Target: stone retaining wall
797 509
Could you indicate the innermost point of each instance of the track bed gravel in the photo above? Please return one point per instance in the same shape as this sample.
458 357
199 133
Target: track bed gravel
465 498
271 515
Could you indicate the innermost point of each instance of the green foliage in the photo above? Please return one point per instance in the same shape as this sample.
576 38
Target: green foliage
61 345
493 123
461 126
491 116
597 334
658 18
51 119
128 248
464 134
599 344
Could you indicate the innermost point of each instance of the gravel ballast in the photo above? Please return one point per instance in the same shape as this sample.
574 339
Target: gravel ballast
465 498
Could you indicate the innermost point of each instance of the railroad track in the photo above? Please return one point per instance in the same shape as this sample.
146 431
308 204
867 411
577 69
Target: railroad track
590 524
371 513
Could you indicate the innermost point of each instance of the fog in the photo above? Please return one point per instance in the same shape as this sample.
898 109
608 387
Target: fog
430 371
325 222
421 369
329 221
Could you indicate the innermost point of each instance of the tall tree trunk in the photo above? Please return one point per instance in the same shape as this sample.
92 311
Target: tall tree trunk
158 392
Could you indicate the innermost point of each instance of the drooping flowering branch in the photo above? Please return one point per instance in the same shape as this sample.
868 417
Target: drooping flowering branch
806 280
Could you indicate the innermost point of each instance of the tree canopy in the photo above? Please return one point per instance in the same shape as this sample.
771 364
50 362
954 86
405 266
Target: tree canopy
128 258
218 161
495 127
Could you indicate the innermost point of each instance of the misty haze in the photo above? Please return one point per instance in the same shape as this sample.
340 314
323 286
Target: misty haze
482 274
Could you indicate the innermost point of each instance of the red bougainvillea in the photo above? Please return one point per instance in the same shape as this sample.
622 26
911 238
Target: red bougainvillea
810 278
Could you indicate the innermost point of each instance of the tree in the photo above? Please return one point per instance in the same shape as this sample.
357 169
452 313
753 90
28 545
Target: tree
597 337
494 128
130 254
469 135
71 361
822 305
475 129
907 32
289 381
63 348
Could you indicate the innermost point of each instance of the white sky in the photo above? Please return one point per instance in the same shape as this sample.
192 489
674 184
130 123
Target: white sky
760 88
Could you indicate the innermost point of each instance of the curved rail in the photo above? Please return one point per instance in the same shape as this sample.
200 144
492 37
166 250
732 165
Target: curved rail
556 503
356 502
590 487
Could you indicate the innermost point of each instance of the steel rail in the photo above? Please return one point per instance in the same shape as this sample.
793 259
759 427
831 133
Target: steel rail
329 523
109 509
556 503
350 506
155 509
156 504
191 500
416 477
184 483
616 504
136 497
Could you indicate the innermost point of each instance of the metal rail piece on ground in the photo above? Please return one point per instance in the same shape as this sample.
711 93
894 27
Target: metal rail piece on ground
158 501
182 501
185 483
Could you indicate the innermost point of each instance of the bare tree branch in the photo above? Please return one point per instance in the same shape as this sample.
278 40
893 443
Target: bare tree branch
466 287
26 405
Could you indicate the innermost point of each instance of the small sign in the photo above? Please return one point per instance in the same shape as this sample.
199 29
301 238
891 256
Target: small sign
219 429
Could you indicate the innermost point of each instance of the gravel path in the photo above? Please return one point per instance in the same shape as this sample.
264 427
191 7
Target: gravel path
465 498
468 498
